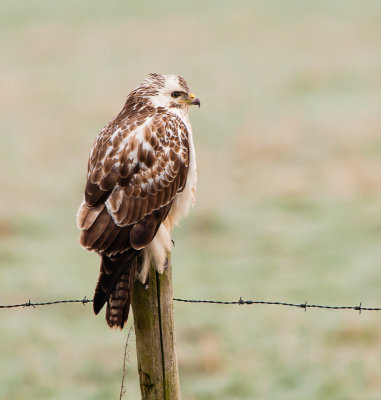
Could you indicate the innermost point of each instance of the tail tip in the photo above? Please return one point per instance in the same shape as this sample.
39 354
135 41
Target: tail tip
115 323
97 305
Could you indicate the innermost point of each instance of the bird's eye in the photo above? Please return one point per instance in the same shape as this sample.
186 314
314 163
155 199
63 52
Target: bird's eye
175 95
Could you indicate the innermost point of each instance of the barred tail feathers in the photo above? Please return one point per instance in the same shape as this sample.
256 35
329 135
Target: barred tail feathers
115 286
118 303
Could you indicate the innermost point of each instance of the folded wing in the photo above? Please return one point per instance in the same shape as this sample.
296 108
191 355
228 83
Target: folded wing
135 171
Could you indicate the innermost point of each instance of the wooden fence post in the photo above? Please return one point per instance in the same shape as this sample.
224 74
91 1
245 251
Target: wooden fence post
155 337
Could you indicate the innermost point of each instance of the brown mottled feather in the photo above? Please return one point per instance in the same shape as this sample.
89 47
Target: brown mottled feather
94 195
144 231
89 236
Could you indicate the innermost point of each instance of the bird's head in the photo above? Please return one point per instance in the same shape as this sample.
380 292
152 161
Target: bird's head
169 91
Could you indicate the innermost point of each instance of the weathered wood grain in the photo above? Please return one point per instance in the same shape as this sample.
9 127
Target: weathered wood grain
155 337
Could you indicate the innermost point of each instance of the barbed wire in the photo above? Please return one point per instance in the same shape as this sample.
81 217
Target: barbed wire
304 305
47 303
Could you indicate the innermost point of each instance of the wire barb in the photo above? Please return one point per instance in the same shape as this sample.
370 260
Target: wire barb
86 300
359 308
29 304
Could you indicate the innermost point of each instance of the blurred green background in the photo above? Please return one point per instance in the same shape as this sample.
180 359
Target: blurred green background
288 143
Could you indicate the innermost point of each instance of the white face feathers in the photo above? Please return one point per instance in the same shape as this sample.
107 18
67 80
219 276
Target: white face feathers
172 92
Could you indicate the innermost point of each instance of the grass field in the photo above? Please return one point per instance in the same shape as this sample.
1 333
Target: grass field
288 143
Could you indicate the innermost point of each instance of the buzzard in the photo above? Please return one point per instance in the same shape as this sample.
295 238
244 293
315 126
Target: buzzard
141 179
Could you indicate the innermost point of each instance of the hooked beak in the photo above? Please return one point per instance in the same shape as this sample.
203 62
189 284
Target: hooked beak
193 100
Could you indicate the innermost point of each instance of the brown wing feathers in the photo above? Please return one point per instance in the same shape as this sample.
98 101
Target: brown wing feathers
132 180
144 231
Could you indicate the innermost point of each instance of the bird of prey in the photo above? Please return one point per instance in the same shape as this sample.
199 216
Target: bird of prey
141 179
